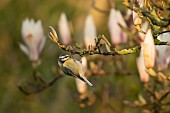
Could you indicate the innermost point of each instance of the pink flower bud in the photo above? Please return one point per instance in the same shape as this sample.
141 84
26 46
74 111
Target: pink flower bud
64 30
149 50
89 31
33 36
84 63
144 77
82 86
116 33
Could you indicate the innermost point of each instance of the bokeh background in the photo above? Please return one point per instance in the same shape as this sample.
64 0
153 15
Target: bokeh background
62 97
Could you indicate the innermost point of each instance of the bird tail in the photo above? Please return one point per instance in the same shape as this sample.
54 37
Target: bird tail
83 78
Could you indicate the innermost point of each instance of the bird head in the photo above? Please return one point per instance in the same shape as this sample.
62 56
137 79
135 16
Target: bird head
62 58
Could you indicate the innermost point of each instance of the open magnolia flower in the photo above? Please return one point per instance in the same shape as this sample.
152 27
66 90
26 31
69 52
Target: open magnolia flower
149 50
34 38
64 29
163 56
116 33
89 31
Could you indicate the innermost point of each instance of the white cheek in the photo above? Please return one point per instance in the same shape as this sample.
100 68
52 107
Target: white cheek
64 59
59 63
64 56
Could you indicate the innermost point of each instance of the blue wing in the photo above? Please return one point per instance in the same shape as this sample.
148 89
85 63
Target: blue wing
70 73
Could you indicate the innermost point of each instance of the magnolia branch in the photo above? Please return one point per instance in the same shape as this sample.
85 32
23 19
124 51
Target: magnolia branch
100 40
149 14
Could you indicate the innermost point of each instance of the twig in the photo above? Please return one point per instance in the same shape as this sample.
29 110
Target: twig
168 31
45 86
99 9
164 96
96 50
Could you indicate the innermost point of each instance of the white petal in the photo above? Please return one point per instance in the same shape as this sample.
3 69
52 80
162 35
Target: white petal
121 19
144 27
122 22
89 31
24 48
42 44
64 29
163 52
24 28
164 37
114 28
164 49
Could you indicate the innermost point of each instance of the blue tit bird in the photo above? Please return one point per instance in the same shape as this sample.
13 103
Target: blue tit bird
72 67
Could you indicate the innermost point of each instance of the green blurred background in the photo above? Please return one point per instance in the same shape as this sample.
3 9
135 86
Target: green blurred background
15 67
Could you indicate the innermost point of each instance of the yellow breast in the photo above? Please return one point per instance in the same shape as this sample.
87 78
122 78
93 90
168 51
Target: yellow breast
74 66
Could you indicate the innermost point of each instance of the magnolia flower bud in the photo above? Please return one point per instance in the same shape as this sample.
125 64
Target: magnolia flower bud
82 86
117 35
33 36
64 30
128 14
144 77
89 31
136 19
141 3
149 50
144 28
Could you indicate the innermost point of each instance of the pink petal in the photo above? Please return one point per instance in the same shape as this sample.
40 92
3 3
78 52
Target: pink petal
144 77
